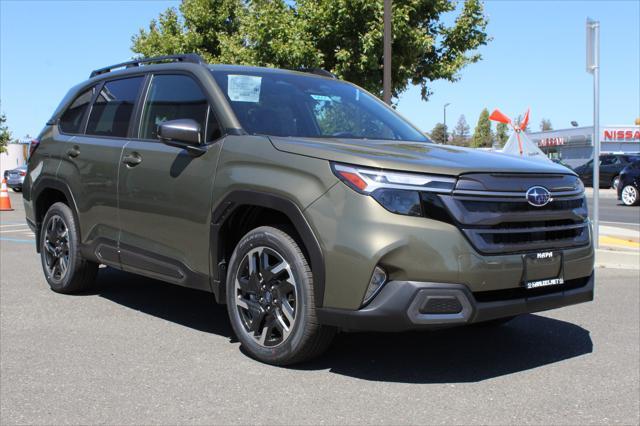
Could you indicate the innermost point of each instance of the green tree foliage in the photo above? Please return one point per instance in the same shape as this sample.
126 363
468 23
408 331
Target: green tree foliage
502 133
460 134
438 134
545 125
482 135
341 36
5 134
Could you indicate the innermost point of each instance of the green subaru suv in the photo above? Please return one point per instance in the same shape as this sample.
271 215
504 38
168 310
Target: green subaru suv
302 202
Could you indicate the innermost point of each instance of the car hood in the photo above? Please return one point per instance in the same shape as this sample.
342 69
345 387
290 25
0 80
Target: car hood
412 156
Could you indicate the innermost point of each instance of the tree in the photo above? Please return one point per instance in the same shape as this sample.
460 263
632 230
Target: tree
461 132
5 134
502 133
438 134
545 125
341 36
482 135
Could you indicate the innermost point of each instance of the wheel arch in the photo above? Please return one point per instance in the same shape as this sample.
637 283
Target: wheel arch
240 208
44 194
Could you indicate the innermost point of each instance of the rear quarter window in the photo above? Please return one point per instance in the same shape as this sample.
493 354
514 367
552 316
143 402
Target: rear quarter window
71 119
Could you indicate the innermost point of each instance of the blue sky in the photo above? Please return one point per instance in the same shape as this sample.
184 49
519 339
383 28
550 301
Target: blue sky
536 59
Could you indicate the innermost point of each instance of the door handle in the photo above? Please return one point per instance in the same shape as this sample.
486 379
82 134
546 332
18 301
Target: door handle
132 159
73 152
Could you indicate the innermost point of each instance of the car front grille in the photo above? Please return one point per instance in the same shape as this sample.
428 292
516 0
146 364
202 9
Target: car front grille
493 213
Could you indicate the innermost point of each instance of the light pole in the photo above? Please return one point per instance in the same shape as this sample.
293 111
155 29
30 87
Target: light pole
593 67
386 53
445 122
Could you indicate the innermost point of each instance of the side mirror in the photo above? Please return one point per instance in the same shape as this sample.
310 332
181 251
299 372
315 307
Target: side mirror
183 133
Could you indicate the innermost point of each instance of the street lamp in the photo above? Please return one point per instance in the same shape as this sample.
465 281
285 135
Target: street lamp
445 122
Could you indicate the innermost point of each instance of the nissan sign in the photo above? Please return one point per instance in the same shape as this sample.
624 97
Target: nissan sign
621 134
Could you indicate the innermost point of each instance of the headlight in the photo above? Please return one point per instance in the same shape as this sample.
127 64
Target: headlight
410 194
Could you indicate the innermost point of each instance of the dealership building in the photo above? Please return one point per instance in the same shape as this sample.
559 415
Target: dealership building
574 146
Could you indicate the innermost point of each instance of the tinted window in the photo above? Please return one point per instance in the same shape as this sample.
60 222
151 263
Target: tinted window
287 104
608 160
71 119
112 110
173 97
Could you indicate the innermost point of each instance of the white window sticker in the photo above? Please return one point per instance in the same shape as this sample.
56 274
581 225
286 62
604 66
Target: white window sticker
243 88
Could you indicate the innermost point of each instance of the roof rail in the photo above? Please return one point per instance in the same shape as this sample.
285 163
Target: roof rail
318 71
193 58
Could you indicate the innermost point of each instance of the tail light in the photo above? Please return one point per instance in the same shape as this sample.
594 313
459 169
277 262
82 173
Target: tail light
22 173
35 143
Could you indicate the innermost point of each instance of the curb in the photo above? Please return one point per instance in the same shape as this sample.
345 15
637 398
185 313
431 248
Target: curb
606 240
616 259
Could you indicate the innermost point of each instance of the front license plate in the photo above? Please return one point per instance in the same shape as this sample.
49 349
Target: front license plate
542 269
544 283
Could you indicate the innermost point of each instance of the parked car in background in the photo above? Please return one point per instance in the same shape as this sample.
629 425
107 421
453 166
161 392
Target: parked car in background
15 178
629 186
610 167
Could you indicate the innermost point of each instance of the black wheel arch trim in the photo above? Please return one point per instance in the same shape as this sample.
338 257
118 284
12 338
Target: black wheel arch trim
239 198
40 186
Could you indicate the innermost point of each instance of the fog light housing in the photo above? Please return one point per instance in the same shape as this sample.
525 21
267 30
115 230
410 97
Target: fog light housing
378 279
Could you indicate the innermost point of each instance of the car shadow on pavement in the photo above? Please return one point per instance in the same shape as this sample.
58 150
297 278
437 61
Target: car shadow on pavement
456 355
191 308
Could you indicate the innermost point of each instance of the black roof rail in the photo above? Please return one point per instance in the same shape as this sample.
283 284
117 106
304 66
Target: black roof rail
318 71
193 58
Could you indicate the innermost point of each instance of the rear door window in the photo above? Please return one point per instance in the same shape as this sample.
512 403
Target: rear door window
112 110
173 97
71 119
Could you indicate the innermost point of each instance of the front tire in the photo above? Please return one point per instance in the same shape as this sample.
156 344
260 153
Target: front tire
630 196
270 299
64 267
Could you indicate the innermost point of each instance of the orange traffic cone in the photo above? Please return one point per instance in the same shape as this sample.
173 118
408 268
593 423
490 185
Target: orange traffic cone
5 202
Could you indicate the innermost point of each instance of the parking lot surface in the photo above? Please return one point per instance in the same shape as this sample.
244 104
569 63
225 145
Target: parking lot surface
138 351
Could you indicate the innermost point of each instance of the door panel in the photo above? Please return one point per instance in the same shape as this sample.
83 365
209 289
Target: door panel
165 209
92 176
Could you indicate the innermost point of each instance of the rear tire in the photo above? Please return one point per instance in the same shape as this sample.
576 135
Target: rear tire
64 267
270 299
630 196
17 189
615 182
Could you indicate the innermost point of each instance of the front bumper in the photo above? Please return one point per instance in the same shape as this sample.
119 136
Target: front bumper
401 305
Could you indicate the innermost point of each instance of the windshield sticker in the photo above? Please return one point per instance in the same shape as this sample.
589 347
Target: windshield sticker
244 88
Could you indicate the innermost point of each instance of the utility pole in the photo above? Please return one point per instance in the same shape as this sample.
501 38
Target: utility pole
593 67
445 122
386 66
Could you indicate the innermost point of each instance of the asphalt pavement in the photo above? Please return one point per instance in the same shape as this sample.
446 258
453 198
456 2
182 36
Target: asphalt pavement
138 351
613 212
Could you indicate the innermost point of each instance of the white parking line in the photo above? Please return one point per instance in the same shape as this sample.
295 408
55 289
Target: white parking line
13 225
6 231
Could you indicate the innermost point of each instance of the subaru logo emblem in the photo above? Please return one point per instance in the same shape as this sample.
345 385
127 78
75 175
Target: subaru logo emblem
538 196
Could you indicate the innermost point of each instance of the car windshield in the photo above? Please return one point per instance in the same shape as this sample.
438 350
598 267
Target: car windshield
288 104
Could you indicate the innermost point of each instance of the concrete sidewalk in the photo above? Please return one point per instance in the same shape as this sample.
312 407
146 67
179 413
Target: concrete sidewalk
619 248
